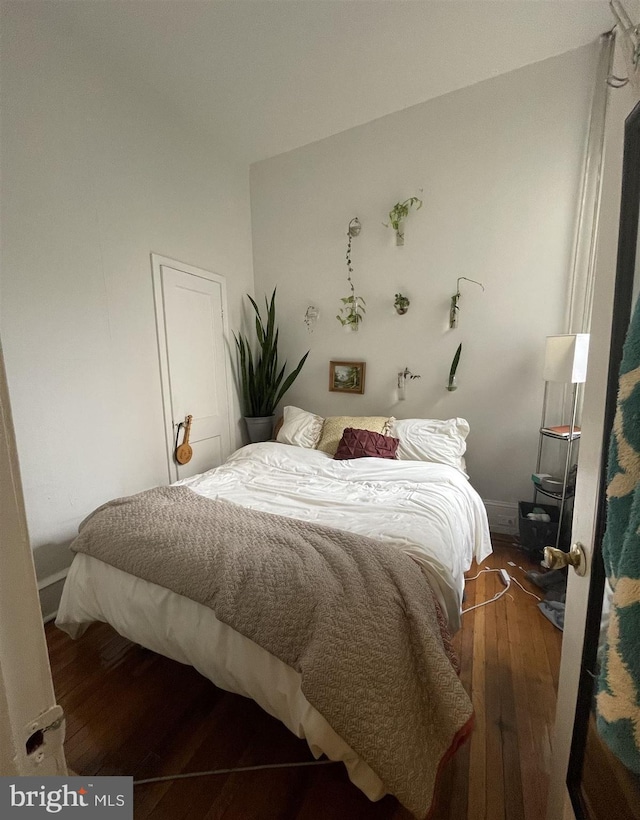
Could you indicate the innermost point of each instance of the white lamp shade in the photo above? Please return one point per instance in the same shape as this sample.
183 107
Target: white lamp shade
565 358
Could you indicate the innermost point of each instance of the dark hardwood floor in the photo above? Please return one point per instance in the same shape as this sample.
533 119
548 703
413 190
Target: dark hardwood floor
130 711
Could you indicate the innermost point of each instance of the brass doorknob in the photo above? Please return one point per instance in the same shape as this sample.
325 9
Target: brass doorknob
576 558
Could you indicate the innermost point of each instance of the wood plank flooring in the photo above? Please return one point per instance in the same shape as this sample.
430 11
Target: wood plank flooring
130 711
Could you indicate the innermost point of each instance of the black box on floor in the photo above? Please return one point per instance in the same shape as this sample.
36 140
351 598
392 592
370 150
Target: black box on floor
536 535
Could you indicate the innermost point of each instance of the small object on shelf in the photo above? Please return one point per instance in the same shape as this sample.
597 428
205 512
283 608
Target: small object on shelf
553 484
561 431
538 477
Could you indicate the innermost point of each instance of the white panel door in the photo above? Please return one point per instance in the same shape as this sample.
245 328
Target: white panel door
193 356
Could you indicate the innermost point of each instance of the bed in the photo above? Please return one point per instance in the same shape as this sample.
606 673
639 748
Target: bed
425 511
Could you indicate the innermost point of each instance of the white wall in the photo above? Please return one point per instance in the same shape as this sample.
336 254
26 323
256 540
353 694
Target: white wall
95 178
500 164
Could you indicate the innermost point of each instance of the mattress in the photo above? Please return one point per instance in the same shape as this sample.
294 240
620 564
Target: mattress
428 511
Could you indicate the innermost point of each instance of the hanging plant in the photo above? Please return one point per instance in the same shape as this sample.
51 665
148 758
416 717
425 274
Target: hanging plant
454 366
351 314
454 309
401 304
352 310
399 213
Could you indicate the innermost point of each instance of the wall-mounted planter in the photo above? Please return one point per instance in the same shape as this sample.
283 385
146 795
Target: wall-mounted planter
454 309
401 304
352 313
399 213
453 385
352 310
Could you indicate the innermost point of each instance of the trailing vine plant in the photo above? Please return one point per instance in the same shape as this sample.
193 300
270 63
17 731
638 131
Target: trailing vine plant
352 310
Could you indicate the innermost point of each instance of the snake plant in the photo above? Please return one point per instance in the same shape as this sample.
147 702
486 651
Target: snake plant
262 379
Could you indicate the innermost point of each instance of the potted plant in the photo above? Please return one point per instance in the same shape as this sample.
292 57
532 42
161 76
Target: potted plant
262 379
352 310
399 213
401 304
454 366
351 314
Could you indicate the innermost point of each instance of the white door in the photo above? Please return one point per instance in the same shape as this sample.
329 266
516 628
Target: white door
586 780
192 342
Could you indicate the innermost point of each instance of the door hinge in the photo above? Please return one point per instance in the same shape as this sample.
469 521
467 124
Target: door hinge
36 745
52 719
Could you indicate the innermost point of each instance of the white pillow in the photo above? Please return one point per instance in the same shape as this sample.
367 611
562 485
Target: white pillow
442 442
300 428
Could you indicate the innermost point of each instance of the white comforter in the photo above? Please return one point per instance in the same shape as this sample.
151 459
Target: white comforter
429 511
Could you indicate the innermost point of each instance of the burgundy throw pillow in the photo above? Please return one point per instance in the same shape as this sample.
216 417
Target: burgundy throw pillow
361 443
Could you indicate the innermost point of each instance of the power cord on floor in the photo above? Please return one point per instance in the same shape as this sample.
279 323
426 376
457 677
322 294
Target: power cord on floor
491 600
233 770
506 580
533 595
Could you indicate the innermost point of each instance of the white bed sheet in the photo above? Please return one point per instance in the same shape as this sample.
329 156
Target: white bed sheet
429 511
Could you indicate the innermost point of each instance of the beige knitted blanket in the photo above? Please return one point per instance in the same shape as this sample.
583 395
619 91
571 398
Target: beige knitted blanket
354 616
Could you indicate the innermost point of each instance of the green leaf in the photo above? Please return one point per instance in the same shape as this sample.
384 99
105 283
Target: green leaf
260 375
454 363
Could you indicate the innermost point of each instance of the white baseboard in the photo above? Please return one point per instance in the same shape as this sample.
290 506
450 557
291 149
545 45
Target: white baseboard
503 516
53 579
50 590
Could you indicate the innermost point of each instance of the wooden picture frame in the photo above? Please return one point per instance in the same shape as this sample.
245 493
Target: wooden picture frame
347 377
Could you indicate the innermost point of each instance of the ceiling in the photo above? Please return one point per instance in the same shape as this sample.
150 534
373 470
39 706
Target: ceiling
266 76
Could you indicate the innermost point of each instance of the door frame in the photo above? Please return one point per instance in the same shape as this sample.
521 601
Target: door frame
625 273
27 698
157 261
581 609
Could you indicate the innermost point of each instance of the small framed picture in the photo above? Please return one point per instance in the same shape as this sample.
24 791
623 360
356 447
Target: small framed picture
346 377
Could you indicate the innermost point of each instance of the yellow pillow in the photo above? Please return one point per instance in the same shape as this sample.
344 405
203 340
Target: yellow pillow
334 427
